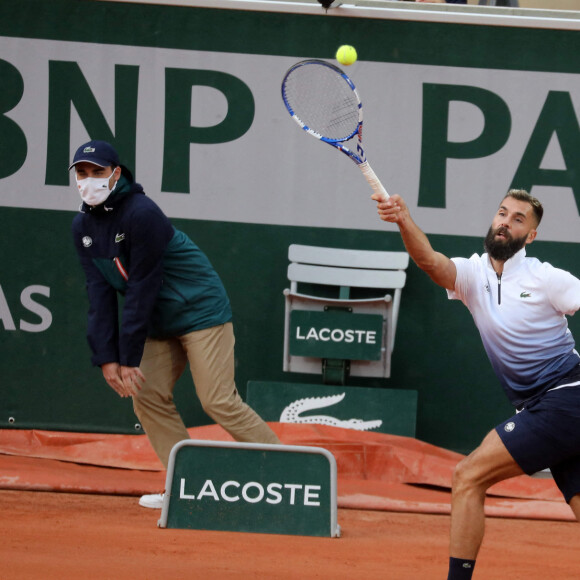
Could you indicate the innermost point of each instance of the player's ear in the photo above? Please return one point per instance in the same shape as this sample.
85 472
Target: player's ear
531 236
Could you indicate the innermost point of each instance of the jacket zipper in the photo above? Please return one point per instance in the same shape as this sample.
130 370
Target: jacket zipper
498 288
121 269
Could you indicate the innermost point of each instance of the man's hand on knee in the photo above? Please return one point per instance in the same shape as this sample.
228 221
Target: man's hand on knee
132 378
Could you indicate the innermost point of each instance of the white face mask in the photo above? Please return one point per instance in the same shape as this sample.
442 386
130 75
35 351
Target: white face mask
95 190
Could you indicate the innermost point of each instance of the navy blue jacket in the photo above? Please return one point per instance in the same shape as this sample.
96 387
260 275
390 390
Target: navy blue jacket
128 246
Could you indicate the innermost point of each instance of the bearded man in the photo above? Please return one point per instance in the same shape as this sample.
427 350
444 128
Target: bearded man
519 306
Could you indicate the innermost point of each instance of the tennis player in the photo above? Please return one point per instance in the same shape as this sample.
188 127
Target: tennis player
519 306
175 309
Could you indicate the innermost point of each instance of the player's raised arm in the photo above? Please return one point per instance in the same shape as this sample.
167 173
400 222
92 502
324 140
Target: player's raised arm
438 266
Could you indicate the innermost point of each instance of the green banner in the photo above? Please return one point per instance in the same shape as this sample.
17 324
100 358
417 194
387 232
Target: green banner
190 97
336 334
391 411
246 487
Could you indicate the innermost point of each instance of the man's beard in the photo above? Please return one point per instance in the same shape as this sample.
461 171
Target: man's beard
503 250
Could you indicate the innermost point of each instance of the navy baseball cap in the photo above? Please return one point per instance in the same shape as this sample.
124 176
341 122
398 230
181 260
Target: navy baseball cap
99 153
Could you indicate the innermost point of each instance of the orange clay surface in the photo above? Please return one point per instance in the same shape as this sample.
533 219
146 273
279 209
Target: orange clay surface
69 510
48 535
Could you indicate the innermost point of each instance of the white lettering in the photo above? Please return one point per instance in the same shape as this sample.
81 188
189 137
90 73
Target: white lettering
254 492
223 491
271 491
208 489
31 305
5 315
337 335
311 494
182 494
292 487
42 312
249 485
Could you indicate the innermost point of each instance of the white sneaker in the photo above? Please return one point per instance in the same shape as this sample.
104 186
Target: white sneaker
153 501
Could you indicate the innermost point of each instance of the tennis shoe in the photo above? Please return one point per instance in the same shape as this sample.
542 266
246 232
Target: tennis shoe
153 501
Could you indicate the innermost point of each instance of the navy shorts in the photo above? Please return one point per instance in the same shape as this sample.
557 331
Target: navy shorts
546 433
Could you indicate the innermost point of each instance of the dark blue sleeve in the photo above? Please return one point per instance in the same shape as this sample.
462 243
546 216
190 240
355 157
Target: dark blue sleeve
456 1
102 327
148 233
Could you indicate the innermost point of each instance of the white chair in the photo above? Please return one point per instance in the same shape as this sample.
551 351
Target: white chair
364 282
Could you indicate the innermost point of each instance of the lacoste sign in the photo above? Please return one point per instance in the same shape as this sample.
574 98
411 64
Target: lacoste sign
253 492
382 410
336 334
251 487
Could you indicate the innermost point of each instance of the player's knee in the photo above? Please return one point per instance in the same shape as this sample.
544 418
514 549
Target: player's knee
459 476
470 476
464 479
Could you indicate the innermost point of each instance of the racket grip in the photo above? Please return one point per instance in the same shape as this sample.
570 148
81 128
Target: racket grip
373 180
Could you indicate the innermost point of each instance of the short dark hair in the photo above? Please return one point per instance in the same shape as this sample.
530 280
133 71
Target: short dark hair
523 195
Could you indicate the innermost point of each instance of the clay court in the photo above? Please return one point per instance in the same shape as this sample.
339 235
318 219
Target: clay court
47 536
69 510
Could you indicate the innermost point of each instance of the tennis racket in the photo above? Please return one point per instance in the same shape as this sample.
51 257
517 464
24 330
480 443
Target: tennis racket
325 103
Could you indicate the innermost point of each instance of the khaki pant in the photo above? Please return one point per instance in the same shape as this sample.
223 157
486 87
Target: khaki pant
210 353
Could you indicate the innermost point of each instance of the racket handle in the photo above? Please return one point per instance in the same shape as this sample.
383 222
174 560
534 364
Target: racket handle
373 180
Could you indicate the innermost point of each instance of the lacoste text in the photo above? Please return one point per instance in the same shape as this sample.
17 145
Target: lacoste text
338 335
254 492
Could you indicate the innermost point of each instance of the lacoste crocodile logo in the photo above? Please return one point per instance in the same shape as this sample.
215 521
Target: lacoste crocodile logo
525 295
119 238
292 414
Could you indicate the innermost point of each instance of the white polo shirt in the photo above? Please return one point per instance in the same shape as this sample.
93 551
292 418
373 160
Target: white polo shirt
521 319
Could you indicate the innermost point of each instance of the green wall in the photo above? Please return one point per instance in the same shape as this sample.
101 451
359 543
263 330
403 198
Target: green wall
46 378
47 381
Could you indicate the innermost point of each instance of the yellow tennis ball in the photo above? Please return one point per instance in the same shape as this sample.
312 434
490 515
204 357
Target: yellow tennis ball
346 54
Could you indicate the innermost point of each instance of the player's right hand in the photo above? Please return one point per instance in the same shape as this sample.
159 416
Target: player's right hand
392 210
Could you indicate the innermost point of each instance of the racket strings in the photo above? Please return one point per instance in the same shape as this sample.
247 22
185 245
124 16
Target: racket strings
323 101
